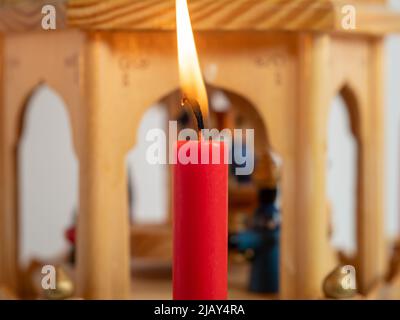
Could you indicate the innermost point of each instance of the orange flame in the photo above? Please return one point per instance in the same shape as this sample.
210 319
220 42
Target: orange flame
190 76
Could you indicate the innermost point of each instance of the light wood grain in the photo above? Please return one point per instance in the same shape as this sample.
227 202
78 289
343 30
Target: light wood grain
103 227
152 242
371 236
373 17
310 216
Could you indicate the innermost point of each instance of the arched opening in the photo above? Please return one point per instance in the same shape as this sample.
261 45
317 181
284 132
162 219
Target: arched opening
151 234
148 183
47 184
343 177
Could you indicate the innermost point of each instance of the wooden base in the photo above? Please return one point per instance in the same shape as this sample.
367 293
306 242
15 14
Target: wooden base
152 281
151 242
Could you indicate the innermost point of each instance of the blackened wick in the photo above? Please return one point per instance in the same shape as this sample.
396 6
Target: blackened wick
195 107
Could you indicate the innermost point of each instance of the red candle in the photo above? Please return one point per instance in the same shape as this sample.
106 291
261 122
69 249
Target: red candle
200 188
200 225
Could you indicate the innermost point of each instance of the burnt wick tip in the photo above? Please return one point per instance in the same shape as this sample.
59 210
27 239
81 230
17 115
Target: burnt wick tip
195 107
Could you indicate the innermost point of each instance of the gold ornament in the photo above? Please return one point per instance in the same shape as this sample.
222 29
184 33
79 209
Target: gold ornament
334 287
64 286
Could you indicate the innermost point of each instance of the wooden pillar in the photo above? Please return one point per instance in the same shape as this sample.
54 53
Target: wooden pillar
370 234
305 246
103 225
8 194
2 152
9 268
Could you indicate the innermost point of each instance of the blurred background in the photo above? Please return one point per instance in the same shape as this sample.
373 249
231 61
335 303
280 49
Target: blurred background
49 169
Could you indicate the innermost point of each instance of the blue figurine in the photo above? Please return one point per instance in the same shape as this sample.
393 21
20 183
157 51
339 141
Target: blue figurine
263 238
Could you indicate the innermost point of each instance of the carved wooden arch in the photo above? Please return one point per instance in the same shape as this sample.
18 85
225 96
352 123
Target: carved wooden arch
244 102
242 106
260 124
262 119
37 73
21 127
356 115
20 121
152 76
23 73
157 95
17 126
15 129
143 241
260 67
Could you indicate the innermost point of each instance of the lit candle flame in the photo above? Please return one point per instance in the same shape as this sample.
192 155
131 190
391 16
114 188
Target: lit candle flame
190 76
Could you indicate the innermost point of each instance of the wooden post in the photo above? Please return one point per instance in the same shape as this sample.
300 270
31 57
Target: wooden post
8 194
370 235
103 225
9 268
2 152
308 218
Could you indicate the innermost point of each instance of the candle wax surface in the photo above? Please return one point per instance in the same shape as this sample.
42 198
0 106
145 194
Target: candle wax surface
200 223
